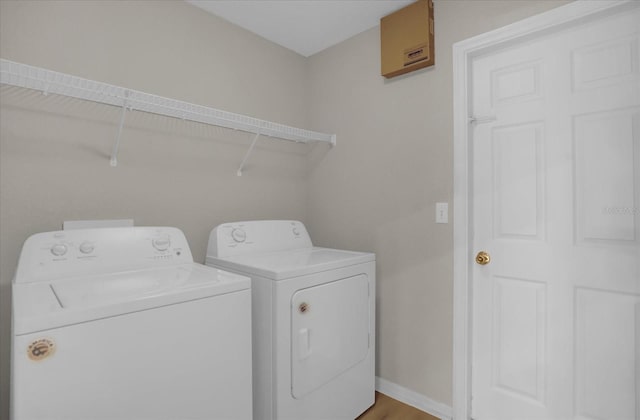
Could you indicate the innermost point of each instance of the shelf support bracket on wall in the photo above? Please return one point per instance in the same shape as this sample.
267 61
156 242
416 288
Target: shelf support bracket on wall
116 145
246 156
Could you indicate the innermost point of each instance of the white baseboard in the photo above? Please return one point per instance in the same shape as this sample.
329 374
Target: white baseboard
412 398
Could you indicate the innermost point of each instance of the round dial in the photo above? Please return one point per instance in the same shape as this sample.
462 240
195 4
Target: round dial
86 247
238 235
296 231
161 244
59 250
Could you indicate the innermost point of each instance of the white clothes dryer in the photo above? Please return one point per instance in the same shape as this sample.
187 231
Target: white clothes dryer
120 323
313 320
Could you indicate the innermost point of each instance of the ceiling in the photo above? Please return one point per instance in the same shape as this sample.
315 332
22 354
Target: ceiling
304 26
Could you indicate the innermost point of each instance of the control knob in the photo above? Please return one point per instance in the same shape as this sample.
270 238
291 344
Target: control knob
59 250
86 247
239 235
161 244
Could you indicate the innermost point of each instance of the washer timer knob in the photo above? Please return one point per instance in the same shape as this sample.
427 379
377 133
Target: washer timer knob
239 235
161 244
59 250
86 247
296 231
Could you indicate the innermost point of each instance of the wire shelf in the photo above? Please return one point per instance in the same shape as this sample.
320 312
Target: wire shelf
48 81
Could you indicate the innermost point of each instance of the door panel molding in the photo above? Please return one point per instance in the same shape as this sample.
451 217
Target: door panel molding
463 53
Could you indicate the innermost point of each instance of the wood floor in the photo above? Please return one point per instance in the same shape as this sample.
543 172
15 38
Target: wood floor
386 408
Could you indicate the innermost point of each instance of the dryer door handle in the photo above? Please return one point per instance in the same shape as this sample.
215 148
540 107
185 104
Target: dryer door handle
304 343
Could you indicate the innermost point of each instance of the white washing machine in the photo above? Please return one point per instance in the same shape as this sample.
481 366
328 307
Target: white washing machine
313 320
120 323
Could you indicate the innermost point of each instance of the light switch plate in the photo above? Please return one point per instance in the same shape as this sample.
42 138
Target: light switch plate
442 212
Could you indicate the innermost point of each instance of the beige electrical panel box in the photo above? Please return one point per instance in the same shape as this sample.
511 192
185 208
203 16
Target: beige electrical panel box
406 38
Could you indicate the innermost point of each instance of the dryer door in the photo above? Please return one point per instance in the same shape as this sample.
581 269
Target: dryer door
330 332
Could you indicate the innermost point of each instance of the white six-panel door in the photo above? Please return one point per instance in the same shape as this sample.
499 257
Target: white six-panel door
556 204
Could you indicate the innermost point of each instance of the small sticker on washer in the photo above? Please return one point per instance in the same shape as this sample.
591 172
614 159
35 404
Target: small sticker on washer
41 349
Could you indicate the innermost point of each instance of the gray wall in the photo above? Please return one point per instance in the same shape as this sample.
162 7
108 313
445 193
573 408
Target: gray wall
375 191
54 153
393 162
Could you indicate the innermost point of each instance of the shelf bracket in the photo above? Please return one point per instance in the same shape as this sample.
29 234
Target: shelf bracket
246 156
116 145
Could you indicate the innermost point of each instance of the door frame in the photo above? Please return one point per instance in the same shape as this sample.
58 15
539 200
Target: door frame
463 54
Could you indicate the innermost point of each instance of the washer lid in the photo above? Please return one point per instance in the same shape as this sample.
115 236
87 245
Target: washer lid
44 305
292 263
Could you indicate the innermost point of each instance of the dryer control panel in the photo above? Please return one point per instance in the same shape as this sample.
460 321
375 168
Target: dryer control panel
70 253
249 237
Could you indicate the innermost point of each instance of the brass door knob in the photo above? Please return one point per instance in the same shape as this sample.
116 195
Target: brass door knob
483 258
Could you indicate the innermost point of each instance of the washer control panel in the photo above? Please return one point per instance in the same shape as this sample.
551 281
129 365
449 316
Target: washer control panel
70 253
257 236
